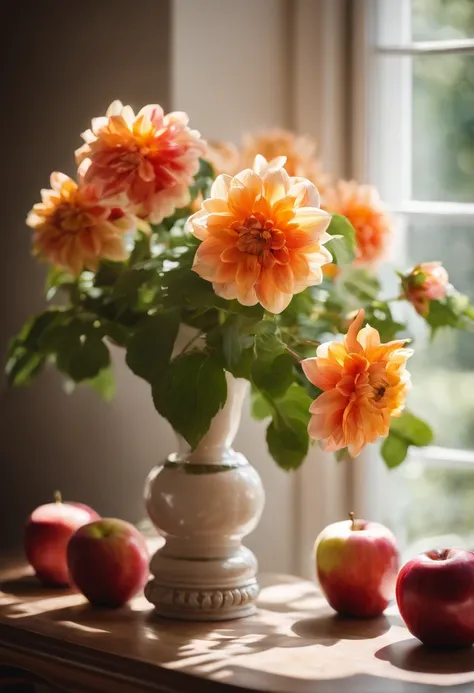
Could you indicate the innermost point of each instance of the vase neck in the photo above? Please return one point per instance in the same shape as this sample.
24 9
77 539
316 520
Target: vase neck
216 443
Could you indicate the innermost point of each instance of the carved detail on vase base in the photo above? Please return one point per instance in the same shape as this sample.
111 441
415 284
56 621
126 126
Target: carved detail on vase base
203 604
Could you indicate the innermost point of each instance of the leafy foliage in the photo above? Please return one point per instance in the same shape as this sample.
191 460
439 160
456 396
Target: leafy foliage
453 311
287 435
406 430
139 304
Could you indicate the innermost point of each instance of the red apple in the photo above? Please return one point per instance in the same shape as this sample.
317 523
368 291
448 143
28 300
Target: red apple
108 561
47 532
435 596
357 564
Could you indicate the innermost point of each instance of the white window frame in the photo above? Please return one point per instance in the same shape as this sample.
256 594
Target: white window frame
383 48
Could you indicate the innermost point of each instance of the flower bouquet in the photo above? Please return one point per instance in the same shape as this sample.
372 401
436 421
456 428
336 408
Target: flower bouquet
160 231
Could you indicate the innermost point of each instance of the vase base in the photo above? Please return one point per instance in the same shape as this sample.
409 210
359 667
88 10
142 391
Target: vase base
191 604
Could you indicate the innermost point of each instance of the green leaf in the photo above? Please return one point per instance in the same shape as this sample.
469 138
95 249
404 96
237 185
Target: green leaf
34 329
387 328
287 434
273 375
361 283
23 366
343 245
206 169
294 404
288 442
83 358
150 347
341 454
103 384
412 429
202 180
185 288
87 360
394 450
255 313
232 341
442 314
25 356
260 407
301 305
78 348
190 393
453 311
56 278
130 281
141 249
117 333
108 273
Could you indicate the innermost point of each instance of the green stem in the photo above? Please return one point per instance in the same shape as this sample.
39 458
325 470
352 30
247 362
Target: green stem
293 353
190 343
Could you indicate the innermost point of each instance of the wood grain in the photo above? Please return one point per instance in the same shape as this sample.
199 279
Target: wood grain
293 645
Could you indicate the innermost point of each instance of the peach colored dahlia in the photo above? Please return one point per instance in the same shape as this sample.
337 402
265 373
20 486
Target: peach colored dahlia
361 204
299 150
143 163
262 236
365 383
73 230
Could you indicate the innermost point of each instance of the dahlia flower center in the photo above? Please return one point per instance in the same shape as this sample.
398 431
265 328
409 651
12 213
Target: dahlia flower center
257 235
378 390
128 161
72 219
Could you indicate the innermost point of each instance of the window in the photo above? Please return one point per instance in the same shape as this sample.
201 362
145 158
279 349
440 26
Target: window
419 151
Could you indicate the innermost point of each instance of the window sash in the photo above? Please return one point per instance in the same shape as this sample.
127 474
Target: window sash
447 47
436 456
381 44
418 208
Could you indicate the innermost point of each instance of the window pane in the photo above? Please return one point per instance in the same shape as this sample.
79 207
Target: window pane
432 506
436 20
443 127
443 371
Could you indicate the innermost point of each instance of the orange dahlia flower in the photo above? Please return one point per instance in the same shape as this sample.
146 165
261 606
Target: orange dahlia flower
426 282
73 230
262 236
142 163
361 204
365 383
299 150
224 157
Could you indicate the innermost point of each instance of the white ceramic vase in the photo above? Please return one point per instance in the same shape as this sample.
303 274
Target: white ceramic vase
204 502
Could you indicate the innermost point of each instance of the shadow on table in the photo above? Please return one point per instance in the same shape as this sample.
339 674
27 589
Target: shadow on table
411 655
28 586
329 630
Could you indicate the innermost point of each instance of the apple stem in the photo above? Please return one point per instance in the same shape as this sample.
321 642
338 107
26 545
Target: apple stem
352 519
57 497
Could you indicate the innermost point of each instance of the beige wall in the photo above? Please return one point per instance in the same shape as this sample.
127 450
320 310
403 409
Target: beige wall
63 62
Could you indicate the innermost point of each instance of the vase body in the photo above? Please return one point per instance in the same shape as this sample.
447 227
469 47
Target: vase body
204 502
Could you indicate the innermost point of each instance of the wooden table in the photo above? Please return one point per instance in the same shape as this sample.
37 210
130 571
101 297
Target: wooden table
293 645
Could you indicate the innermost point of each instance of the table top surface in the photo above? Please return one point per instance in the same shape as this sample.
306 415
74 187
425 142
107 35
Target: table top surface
294 644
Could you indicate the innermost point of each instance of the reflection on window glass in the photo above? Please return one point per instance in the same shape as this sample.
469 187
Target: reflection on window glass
434 506
437 20
443 128
443 372
443 105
